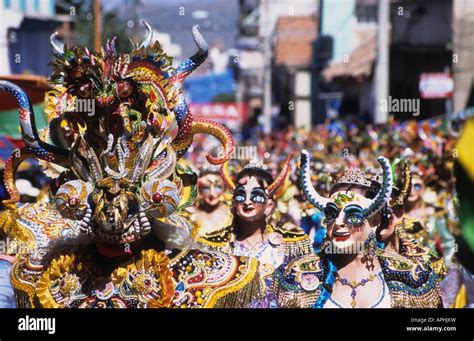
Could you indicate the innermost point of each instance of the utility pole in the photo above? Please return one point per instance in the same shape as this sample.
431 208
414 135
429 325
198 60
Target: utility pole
382 64
267 72
97 26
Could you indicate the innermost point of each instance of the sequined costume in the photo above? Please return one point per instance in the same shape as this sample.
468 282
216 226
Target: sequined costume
32 226
6 290
121 126
411 282
309 281
185 279
413 249
199 227
281 243
411 235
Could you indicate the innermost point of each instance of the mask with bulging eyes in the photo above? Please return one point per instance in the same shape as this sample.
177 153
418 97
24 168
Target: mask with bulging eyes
353 214
346 222
211 188
251 201
257 195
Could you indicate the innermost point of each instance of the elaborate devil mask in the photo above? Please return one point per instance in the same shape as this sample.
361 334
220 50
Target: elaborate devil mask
120 125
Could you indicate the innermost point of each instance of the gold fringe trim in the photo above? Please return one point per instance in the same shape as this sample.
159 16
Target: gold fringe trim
22 286
297 249
240 294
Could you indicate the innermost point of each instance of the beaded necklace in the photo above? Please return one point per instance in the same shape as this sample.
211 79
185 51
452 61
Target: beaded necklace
354 285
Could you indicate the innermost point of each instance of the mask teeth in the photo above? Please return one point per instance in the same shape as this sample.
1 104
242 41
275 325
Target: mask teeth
84 225
136 226
144 223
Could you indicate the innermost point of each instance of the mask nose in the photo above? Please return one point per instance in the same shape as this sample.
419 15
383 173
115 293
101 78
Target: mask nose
247 201
340 220
212 191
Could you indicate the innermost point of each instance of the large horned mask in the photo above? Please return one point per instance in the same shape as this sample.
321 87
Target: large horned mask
119 125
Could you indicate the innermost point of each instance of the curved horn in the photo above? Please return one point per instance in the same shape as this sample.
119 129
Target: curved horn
224 171
385 191
280 180
146 42
17 157
309 191
58 47
218 131
40 149
184 120
192 63
188 126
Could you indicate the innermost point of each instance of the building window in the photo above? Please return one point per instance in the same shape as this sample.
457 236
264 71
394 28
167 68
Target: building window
36 5
366 13
7 4
22 5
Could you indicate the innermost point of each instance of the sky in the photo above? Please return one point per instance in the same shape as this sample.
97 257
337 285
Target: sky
218 19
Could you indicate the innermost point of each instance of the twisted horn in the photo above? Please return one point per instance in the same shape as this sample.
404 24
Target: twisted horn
280 180
192 63
146 42
224 171
58 47
184 119
383 196
309 191
40 149
218 131
17 157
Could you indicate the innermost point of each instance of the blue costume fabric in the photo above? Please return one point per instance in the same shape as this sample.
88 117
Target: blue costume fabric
6 291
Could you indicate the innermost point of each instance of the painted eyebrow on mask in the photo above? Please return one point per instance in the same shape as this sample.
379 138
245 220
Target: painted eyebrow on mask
353 208
258 189
240 189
